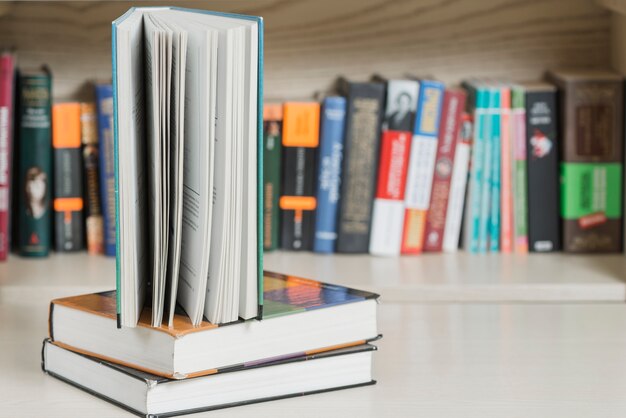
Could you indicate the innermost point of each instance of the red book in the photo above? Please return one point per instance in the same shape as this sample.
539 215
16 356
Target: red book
7 70
449 125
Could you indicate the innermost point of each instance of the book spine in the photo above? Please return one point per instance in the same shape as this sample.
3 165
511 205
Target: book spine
388 211
453 104
543 182
35 164
363 124
104 100
297 202
506 178
496 170
458 185
7 73
485 197
520 188
94 226
272 153
68 187
329 173
592 166
421 165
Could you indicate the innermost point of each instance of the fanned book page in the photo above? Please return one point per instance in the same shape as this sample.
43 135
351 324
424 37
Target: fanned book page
187 87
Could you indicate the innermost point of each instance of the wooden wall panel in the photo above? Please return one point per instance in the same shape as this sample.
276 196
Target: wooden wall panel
310 42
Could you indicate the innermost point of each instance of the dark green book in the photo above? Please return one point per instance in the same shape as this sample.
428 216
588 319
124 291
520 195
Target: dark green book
272 124
34 162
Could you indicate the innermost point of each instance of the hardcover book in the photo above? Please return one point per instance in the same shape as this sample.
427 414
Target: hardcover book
592 127
104 105
272 154
297 201
520 189
450 124
34 162
542 144
365 103
421 165
7 81
329 173
68 179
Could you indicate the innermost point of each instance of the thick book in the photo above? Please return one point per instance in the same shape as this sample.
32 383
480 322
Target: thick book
188 130
506 172
34 162
421 165
68 179
458 185
297 200
449 126
104 106
299 316
329 173
592 157
365 109
94 224
272 154
7 82
542 144
151 396
519 185
388 212
493 216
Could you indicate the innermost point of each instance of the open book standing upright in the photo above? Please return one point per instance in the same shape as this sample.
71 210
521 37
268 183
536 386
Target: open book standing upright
187 102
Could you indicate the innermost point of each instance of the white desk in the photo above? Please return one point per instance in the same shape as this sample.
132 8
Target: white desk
435 360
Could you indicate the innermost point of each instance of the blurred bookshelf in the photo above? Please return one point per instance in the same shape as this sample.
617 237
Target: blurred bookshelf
308 44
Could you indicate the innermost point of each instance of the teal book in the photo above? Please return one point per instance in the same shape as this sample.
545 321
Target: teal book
496 146
34 162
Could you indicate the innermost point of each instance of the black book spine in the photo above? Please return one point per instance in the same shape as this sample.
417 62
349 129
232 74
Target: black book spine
360 162
543 175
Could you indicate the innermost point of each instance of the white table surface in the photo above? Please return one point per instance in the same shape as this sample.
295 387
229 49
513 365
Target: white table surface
435 360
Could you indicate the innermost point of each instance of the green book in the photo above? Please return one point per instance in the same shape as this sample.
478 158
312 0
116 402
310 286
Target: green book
520 203
34 163
272 130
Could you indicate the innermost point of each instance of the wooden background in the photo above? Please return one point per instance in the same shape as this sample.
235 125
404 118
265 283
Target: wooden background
310 42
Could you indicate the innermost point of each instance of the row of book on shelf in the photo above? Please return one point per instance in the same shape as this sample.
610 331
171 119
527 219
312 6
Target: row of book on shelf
403 166
57 172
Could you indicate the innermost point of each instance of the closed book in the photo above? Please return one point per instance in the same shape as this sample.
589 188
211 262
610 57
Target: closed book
7 81
104 106
506 172
421 165
388 212
519 184
297 201
592 144
68 179
329 173
542 144
452 110
458 185
34 171
493 238
299 316
272 126
94 226
151 396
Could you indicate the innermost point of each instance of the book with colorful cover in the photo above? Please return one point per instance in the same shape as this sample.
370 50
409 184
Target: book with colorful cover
7 82
494 207
506 172
519 186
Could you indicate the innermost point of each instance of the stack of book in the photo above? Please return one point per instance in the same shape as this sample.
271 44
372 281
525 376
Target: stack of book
195 323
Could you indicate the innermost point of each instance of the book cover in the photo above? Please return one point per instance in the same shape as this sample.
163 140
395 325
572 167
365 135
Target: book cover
297 200
34 171
272 126
364 116
388 211
592 112
94 226
104 106
493 239
458 185
542 144
68 179
452 110
506 172
520 189
401 104
421 165
7 81
329 173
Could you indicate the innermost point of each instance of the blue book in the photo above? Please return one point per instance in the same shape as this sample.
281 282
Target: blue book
485 195
104 104
329 173
494 218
